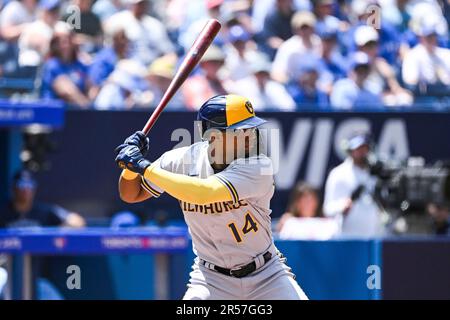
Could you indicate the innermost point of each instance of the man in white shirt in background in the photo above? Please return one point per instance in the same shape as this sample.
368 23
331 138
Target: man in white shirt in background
34 42
265 93
349 193
14 16
148 36
427 64
304 42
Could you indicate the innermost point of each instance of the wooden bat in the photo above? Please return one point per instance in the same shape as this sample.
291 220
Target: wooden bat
201 44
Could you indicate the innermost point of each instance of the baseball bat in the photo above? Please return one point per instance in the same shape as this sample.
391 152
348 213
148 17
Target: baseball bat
201 44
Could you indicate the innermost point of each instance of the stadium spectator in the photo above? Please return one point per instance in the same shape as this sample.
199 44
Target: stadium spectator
212 9
303 219
382 79
324 12
106 8
304 87
291 52
106 59
277 26
351 92
389 38
14 16
238 12
64 76
240 53
23 211
262 8
160 74
426 67
34 42
209 82
349 189
425 12
332 64
440 217
304 202
396 13
264 93
89 34
148 36
125 88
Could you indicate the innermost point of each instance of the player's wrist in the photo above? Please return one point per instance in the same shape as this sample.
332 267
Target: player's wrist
142 165
129 175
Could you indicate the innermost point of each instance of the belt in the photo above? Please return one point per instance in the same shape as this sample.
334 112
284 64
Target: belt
241 271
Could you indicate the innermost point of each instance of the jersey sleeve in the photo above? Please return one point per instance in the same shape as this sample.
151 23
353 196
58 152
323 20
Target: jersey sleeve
150 187
249 178
168 161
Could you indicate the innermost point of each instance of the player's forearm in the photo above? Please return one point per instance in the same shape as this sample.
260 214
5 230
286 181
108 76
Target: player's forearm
188 189
130 188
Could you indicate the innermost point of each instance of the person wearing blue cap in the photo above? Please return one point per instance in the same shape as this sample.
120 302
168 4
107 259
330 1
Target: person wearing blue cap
23 211
240 51
351 92
349 189
304 88
333 64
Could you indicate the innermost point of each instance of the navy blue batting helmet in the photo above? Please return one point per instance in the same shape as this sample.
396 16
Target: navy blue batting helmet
228 112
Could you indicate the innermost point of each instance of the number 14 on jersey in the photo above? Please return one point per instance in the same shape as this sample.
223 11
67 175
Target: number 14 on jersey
249 225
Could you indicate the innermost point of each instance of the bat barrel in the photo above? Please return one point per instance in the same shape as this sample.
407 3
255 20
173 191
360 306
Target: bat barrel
192 58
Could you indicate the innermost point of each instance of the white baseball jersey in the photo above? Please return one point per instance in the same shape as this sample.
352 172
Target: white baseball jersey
227 234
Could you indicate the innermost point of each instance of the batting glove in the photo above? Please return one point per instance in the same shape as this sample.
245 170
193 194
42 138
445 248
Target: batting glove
138 139
131 158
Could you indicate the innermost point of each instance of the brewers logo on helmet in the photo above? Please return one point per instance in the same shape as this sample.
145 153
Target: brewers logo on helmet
228 112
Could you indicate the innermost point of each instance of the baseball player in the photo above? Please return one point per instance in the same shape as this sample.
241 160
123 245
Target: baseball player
224 186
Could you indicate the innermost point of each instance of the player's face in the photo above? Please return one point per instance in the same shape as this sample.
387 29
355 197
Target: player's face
228 145
360 154
243 142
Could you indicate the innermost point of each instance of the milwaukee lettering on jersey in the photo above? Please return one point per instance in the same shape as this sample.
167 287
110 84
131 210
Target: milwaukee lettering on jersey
212 208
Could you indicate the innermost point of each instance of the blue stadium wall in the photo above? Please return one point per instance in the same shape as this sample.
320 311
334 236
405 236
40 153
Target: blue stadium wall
83 176
413 268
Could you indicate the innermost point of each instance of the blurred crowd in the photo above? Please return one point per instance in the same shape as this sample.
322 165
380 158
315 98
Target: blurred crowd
282 54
